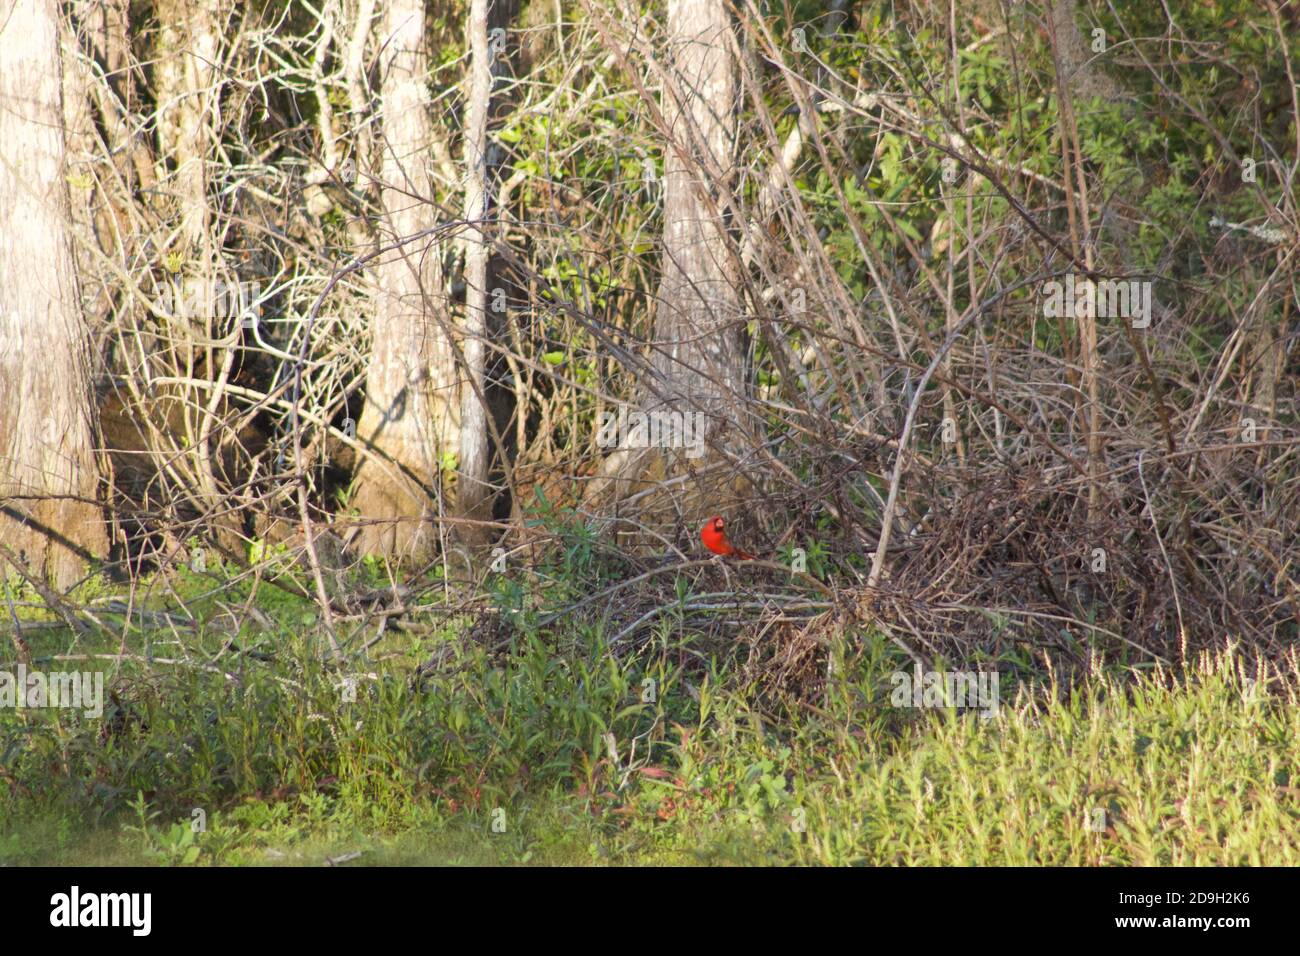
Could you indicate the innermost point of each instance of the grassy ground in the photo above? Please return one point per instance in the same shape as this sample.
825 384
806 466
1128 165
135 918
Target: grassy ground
560 751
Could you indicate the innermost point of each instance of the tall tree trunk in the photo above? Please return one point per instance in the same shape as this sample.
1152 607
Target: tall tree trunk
698 361
698 330
49 480
473 494
412 412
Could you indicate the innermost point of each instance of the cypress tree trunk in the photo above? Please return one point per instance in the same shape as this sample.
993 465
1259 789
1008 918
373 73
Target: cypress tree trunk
412 413
50 513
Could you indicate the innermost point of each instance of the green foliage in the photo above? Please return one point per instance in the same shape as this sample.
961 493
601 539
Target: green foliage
543 735
556 746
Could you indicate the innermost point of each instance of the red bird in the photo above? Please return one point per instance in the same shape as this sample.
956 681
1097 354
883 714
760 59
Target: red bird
714 536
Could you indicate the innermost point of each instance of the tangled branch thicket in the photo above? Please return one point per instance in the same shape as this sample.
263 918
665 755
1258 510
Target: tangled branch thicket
964 468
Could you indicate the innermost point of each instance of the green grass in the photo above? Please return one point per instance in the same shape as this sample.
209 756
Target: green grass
506 759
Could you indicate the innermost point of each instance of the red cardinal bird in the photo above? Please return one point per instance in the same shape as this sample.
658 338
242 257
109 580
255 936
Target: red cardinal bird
715 539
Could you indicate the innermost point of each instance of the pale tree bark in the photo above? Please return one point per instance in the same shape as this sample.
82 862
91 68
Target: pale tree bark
481 416
697 324
473 494
412 411
50 513
698 358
